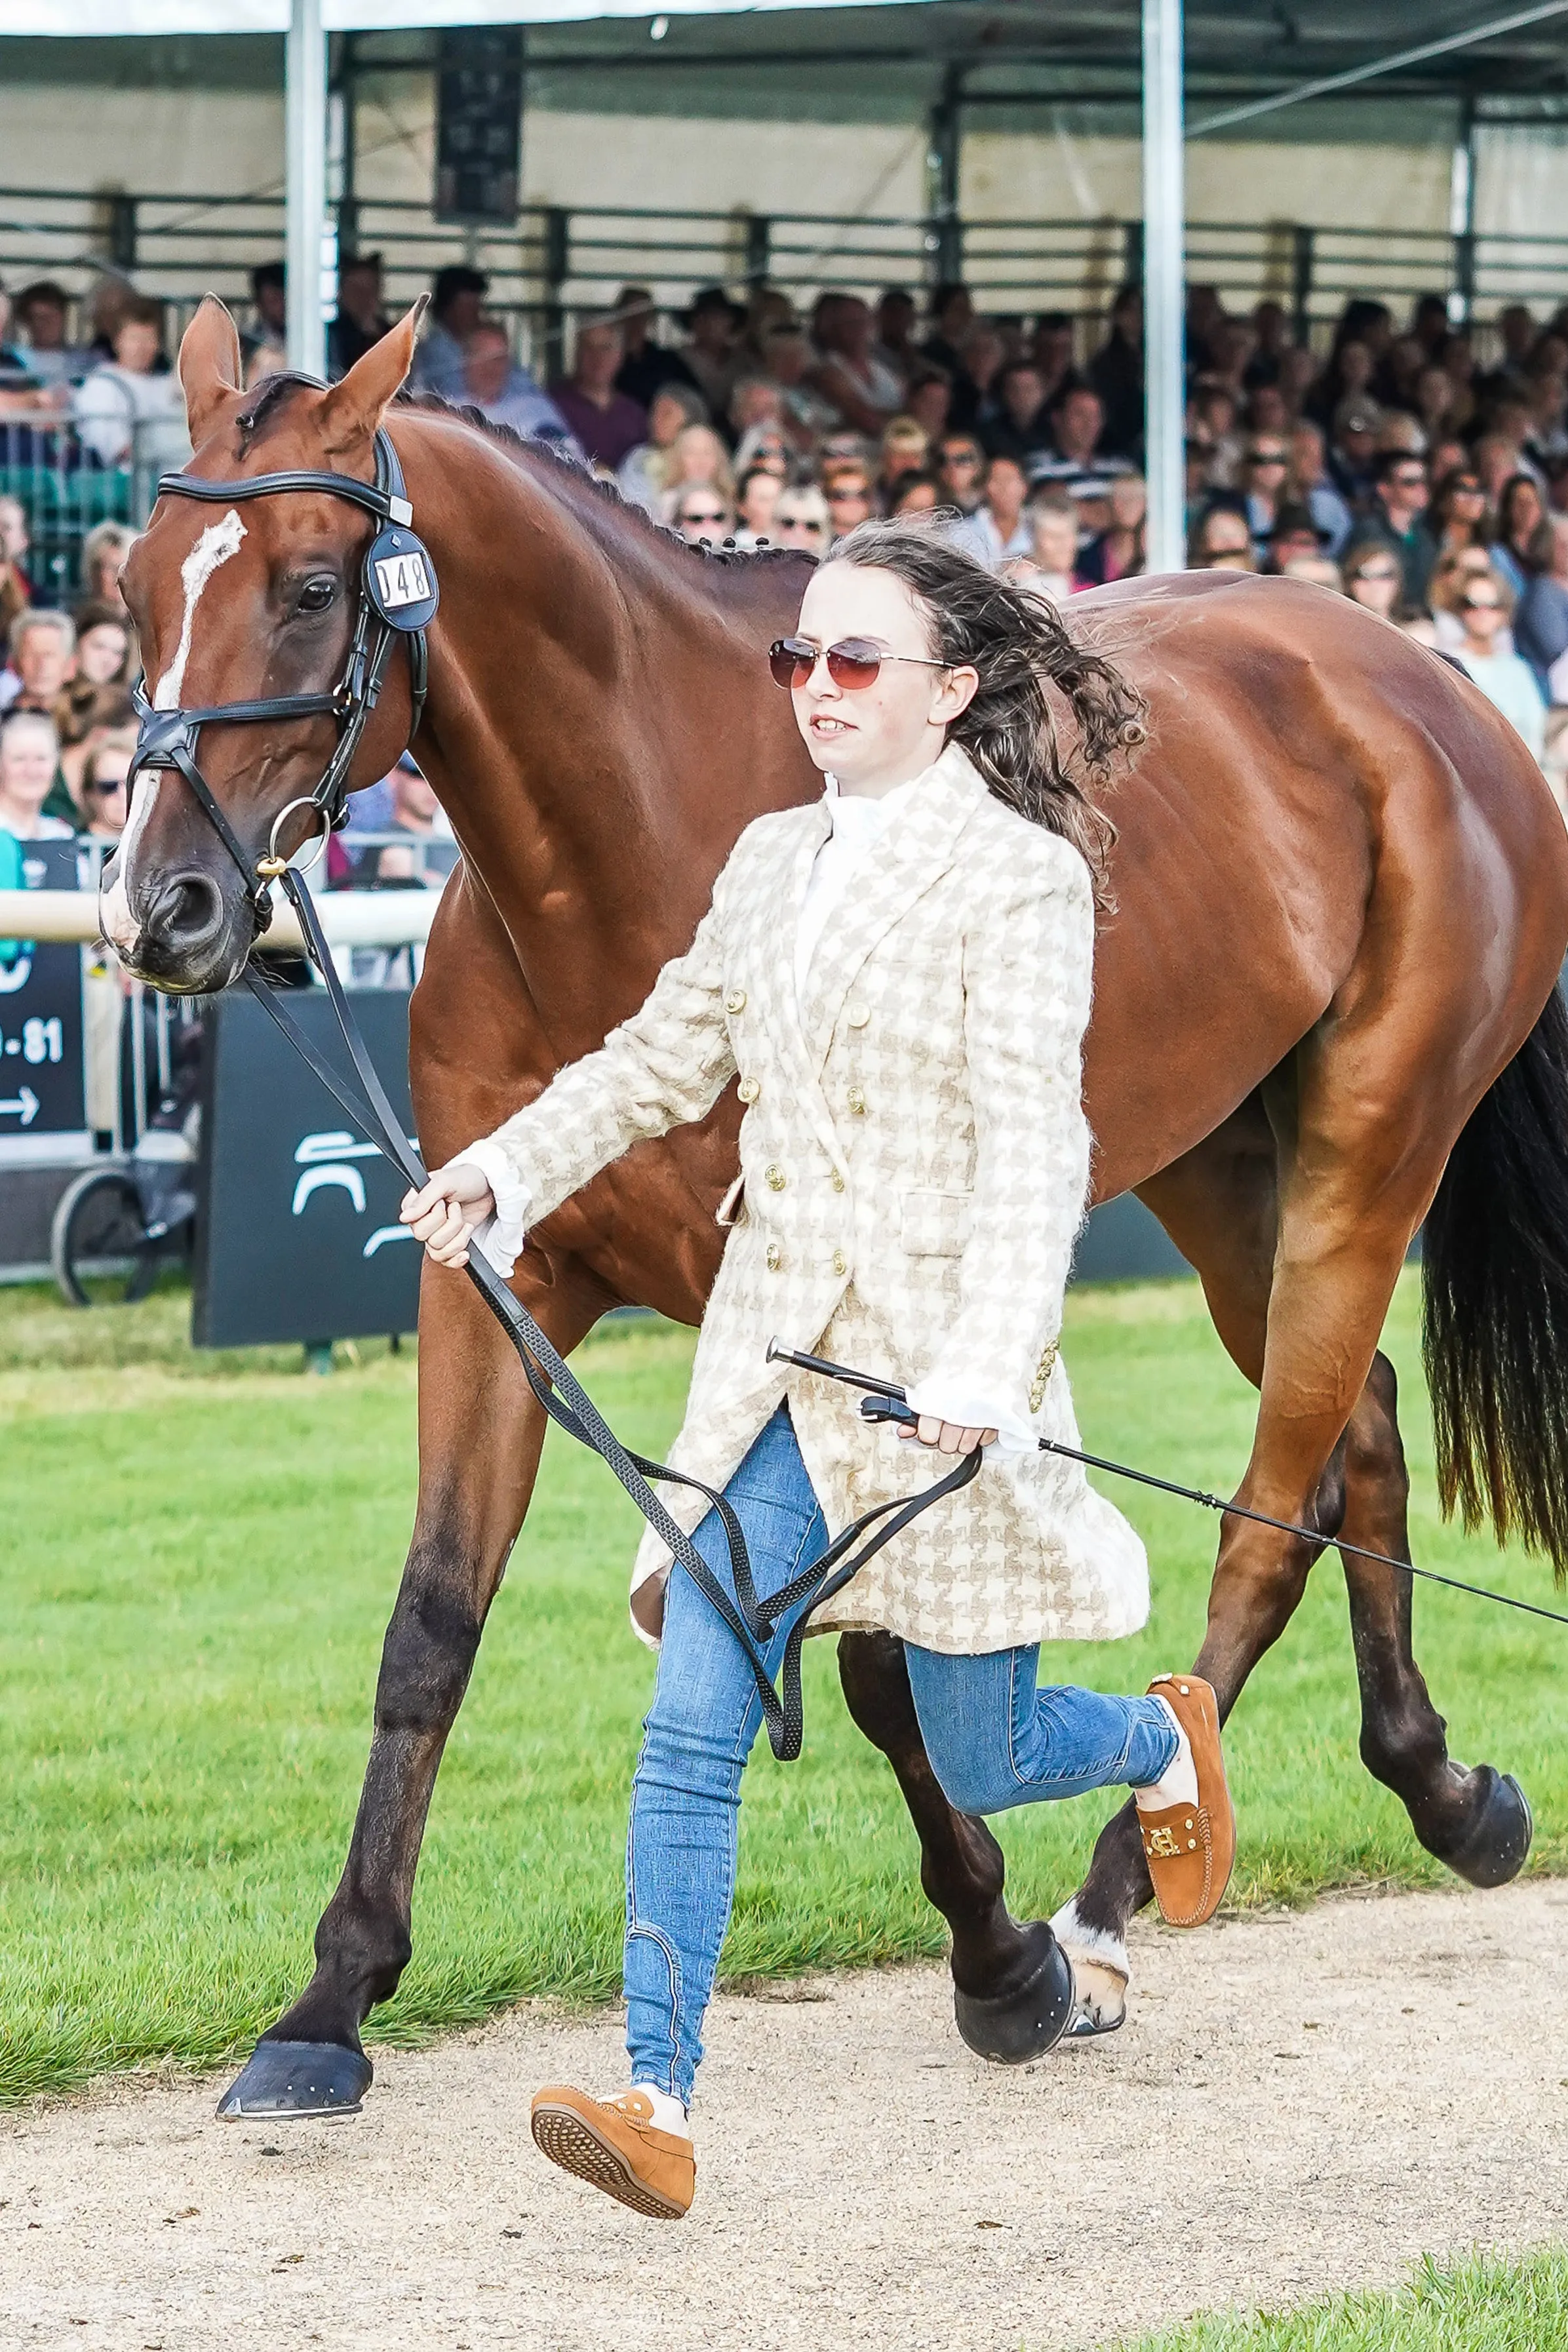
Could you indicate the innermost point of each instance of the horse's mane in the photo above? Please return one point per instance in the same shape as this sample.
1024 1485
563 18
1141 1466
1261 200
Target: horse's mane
575 474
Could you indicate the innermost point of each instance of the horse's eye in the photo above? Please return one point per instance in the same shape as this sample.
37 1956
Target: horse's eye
317 594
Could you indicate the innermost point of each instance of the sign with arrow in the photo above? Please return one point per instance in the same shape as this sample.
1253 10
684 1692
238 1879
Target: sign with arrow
23 1105
43 1091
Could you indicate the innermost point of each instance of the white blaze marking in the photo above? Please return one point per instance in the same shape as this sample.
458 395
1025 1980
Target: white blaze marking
121 926
217 544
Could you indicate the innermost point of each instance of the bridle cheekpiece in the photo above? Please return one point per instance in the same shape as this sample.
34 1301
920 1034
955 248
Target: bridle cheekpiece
398 597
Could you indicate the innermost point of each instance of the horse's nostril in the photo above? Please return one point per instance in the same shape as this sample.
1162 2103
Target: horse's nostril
186 913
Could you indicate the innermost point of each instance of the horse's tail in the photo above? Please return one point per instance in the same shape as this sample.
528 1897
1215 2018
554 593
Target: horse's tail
1496 1321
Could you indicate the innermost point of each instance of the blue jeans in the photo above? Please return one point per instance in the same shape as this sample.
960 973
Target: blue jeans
993 1739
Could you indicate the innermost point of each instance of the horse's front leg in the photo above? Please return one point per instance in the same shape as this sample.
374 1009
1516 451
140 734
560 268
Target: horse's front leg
481 1433
1011 1982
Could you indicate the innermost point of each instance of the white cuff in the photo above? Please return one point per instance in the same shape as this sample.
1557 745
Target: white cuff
965 1408
500 1238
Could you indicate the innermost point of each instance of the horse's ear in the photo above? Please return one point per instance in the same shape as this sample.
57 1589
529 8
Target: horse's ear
210 367
353 409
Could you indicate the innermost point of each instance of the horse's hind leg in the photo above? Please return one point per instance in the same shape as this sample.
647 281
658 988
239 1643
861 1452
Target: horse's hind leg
481 1433
1477 1822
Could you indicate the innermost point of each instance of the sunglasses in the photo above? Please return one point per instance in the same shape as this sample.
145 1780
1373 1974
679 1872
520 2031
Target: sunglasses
703 514
854 496
1377 571
1479 604
853 662
106 791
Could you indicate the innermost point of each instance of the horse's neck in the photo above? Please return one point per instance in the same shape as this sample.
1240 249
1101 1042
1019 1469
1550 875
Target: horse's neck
595 728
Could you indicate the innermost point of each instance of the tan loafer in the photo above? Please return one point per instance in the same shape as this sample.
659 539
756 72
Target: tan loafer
1191 1849
615 2144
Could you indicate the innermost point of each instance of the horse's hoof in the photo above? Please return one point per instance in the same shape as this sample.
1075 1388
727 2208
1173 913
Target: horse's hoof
1099 1999
1010 2028
1494 1846
298 2078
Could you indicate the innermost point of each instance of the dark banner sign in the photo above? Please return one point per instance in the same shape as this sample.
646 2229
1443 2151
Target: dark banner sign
296 1231
42 1081
478 125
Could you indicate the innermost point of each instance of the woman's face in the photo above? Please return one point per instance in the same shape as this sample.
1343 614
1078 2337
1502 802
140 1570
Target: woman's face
1355 367
918 499
664 419
1524 512
762 497
136 346
879 735
1376 585
700 453
1055 538
701 514
101 653
796 523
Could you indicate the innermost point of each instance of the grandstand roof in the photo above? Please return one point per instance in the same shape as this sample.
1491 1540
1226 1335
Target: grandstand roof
1018 50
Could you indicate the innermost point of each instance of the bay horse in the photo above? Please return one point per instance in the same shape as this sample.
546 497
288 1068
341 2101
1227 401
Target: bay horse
1325 1011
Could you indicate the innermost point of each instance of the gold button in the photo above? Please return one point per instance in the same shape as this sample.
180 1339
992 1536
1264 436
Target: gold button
857 1102
838 1180
775 1178
841 1263
775 1258
748 1089
736 1001
859 1016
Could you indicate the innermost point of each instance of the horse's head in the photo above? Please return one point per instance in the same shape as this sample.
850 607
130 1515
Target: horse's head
239 602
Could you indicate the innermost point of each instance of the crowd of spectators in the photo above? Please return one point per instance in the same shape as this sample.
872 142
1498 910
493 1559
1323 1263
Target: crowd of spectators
1394 465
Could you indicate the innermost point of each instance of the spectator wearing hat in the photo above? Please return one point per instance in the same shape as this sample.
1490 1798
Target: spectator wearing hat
709 352
1396 518
605 425
1309 485
457 303
1293 537
647 364
42 310
1352 449
360 321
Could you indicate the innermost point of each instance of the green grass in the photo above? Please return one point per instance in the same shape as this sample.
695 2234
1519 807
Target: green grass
1484 2305
198 1561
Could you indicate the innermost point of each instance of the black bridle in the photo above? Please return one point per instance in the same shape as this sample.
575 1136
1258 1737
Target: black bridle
170 739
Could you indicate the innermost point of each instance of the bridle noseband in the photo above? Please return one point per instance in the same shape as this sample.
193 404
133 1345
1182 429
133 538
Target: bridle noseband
398 597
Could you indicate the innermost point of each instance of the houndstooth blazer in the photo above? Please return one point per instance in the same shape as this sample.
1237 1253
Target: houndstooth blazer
914 1163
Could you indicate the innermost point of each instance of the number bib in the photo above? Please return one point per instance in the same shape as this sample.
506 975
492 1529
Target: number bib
400 578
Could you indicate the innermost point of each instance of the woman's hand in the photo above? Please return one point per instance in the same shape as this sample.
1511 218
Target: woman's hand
947 1436
445 1211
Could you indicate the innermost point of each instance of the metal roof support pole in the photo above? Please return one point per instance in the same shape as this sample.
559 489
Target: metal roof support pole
305 181
1164 206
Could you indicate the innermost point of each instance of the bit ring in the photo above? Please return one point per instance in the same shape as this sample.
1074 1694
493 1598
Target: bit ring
273 865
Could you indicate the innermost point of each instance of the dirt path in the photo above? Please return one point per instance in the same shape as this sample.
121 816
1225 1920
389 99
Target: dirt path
1296 2103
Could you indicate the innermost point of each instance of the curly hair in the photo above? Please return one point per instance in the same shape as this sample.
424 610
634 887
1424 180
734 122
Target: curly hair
1018 643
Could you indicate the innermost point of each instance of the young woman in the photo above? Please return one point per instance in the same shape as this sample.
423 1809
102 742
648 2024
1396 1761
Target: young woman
899 976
